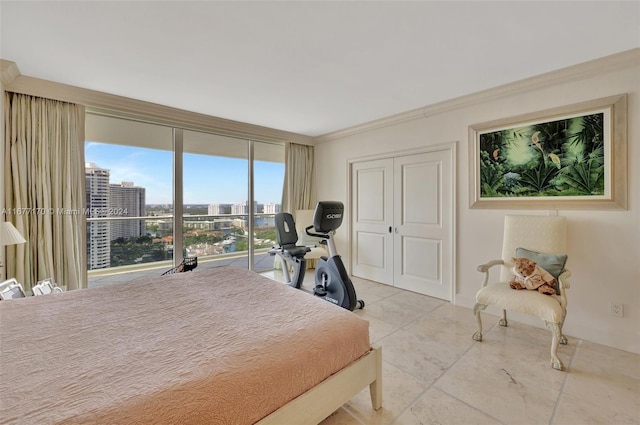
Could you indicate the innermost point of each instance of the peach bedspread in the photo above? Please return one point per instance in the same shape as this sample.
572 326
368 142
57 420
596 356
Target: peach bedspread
218 346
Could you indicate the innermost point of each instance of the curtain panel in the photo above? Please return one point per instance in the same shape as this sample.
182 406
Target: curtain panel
299 178
44 190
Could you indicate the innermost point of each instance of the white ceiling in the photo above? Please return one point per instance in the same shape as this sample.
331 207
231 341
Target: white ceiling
307 67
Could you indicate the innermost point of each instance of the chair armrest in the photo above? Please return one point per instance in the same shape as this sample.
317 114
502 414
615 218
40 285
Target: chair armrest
484 268
563 279
563 283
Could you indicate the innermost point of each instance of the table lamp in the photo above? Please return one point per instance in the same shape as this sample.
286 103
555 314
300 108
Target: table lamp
9 235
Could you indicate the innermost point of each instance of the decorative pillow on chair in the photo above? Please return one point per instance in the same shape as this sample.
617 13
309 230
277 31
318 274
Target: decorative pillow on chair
553 263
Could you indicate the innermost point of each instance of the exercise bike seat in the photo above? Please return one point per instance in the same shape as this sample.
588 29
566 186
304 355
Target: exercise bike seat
298 251
287 236
291 254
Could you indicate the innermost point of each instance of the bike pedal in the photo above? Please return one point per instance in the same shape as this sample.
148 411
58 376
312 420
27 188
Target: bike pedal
319 291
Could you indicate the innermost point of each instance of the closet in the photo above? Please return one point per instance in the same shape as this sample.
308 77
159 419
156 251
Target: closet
402 220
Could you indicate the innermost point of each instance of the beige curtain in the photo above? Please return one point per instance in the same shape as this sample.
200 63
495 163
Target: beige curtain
298 178
44 190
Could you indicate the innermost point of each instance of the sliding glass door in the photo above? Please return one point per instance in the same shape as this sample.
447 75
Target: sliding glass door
215 212
268 178
157 194
128 177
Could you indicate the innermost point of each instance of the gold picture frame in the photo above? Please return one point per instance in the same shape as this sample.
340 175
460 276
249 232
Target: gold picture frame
570 157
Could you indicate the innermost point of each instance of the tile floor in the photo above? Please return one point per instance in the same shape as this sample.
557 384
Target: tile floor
435 373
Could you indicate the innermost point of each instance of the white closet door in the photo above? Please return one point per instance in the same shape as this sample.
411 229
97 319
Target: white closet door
423 199
372 220
402 221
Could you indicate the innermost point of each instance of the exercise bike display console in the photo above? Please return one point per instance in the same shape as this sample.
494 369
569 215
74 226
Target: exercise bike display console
332 283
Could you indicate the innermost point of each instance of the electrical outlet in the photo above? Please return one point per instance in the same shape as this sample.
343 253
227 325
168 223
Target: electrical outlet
616 309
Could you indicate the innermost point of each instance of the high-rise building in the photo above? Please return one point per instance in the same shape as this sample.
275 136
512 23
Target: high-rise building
126 200
219 209
97 196
271 208
239 209
215 209
243 209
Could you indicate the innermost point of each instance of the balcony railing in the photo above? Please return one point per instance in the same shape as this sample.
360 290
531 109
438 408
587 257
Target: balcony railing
144 244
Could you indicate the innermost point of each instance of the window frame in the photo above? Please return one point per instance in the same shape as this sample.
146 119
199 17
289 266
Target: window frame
177 131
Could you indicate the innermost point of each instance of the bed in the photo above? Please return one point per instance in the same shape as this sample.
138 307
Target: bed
216 346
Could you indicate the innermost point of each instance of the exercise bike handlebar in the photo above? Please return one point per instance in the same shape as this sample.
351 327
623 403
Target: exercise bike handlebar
318 235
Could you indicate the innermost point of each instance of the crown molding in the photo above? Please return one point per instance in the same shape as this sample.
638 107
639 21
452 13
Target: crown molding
146 111
13 81
9 72
598 66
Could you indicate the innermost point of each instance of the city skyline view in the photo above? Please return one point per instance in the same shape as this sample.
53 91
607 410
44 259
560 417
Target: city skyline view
206 180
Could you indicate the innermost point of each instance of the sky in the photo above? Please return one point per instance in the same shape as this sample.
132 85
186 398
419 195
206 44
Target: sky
207 179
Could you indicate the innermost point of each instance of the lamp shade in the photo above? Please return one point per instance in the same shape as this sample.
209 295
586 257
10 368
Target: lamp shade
9 235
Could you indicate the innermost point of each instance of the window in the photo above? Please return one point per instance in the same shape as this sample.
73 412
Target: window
132 185
215 196
268 179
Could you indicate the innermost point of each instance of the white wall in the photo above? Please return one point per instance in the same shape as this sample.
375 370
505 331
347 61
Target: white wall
604 246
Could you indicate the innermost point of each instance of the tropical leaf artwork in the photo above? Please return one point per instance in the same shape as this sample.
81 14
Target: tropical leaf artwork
555 158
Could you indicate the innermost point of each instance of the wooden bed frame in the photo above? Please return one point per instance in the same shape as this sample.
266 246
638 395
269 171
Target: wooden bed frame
319 402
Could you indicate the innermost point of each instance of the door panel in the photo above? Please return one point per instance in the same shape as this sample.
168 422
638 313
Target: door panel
422 184
370 208
416 195
421 258
372 216
371 249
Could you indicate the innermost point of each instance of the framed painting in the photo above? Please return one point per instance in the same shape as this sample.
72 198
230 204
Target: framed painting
572 157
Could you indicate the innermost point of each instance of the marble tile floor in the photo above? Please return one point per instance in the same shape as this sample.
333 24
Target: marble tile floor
435 373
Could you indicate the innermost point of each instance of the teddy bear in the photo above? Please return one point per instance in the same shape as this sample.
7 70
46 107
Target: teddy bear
527 275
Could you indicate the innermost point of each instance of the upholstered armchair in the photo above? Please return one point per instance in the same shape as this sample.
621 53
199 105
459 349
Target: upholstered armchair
543 239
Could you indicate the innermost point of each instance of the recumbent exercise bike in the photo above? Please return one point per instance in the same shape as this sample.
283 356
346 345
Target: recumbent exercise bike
332 282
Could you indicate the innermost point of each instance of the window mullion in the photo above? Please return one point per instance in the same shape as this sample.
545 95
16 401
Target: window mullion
250 224
178 245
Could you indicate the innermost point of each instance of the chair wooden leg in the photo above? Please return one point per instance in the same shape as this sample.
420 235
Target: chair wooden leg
476 310
556 333
503 321
563 339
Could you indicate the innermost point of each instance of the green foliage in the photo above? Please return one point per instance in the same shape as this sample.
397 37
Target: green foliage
241 244
266 233
491 175
144 249
583 178
538 181
134 250
562 158
144 239
202 237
